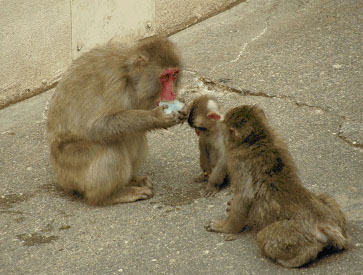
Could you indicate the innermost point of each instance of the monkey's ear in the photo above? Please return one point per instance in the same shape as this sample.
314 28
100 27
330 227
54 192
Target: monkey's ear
234 132
140 61
214 116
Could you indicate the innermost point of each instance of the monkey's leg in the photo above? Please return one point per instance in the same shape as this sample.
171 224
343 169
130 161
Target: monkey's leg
236 220
109 177
290 243
138 156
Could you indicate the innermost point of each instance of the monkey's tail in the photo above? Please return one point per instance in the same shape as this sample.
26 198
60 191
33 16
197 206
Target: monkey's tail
333 235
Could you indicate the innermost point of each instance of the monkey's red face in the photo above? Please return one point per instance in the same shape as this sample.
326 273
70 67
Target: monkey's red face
167 80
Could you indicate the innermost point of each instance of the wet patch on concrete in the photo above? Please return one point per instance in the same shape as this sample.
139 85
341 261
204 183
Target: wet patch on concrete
20 219
65 227
8 201
50 187
55 189
179 197
49 227
35 239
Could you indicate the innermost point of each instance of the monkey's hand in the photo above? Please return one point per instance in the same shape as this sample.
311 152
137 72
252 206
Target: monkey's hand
163 120
202 178
182 116
183 113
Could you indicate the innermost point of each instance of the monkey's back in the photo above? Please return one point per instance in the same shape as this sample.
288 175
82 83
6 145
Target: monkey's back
266 174
86 91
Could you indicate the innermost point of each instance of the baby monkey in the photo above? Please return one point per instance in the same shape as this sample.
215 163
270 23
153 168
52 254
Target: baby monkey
204 117
293 224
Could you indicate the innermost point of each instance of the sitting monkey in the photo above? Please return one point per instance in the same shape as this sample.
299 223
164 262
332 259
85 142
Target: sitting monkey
204 116
100 113
293 224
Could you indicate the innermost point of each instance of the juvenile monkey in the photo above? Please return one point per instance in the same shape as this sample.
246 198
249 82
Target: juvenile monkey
293 224
204 117
100 113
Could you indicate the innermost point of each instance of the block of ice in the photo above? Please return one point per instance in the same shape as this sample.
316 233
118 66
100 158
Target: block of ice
173 106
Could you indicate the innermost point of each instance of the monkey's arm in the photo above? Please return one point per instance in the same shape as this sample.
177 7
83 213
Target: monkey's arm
204 156
113 125
218 173
216 178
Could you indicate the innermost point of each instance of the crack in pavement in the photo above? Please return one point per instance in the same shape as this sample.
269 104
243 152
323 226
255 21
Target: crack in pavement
354 144
245 92
218 87
341 136
246 44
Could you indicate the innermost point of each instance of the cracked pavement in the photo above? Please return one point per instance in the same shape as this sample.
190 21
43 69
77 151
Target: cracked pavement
299 60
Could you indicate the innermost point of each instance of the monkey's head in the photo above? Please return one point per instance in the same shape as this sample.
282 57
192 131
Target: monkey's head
155 67
204 113
244 125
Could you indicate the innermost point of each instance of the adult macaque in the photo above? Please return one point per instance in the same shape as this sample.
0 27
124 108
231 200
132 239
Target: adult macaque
204 116
293 224
100 113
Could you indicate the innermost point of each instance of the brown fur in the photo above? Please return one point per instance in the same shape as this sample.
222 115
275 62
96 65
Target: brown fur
211 143
293 224
99 115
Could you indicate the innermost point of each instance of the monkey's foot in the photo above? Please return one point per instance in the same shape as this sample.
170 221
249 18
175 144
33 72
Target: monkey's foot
132 193
216 226
230 237
201 178
210 191
229 203
142 181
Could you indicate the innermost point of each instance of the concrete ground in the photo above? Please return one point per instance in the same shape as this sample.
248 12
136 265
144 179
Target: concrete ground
300 60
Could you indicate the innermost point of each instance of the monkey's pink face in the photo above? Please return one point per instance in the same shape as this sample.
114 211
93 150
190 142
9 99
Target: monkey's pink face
167 80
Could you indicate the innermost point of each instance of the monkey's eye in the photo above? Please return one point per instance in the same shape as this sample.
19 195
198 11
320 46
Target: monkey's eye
201 129
166 76
175 73
241 123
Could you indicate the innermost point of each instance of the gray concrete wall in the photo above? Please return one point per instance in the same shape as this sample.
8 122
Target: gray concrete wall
172 16
34 46
38 39
97 21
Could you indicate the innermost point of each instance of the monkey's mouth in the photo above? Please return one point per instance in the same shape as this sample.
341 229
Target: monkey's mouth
167 93
200 130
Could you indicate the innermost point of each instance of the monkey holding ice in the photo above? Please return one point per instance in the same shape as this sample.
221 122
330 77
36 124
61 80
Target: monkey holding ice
99 115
